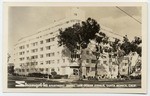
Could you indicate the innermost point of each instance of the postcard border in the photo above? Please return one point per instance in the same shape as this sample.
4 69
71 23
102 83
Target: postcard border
81 90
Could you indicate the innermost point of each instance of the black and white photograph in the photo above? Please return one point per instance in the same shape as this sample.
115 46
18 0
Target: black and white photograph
76 47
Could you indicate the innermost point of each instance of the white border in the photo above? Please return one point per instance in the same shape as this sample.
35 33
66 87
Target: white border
75 0
90 90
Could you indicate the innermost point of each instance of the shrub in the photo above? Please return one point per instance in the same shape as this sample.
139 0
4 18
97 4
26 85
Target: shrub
40 75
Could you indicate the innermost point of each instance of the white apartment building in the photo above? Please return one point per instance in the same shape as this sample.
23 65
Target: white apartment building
42 48
39 53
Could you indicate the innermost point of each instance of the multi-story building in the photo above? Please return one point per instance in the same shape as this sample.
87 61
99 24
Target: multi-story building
129 64
40 53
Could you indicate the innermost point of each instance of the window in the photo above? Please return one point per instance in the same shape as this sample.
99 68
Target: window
87 60
27 70
41 69
35 43
41 42
92 68
50 62
87 69
75 71
48 40
34 50
21 58
52 69
21 53
93 61
41 48
32 63
19 70
50 54
20 64
113 63
46 69
48 47
75 56
34 57
41 56
22 47
27 58
23 70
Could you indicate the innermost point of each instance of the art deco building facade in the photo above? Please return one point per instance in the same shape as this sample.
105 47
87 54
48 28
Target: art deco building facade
40 53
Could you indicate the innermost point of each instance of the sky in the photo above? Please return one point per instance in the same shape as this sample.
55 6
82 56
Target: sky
24 21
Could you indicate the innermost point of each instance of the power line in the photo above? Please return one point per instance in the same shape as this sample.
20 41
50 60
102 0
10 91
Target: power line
128 14
113 32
